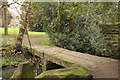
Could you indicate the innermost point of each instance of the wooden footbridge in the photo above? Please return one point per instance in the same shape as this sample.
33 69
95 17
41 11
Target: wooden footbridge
99 67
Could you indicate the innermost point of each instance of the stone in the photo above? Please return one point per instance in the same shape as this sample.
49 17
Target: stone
24 70
66 73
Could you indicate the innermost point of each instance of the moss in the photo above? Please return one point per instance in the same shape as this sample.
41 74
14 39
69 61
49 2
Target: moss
61 61
15 76
64 59
27 71
56 59
64 73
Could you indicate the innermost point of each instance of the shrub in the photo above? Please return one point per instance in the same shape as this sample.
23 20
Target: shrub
87 36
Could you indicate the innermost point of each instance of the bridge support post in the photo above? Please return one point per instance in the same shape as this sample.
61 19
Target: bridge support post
43 64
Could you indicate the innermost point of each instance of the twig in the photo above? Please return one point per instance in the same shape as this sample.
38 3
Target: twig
28 39
29 9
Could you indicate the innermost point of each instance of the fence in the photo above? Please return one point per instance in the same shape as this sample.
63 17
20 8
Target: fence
111 33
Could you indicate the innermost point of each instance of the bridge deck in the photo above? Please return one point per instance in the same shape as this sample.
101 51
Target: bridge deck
100 67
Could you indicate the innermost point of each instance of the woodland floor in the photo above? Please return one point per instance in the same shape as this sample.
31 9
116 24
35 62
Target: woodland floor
7 68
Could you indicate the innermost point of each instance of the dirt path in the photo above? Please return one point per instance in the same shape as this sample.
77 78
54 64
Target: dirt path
35 39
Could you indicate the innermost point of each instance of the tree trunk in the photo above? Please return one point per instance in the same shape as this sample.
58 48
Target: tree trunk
22 32
119 30
58 13
21 35
20 39
5 19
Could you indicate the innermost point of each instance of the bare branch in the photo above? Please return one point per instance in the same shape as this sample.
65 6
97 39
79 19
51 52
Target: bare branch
17 10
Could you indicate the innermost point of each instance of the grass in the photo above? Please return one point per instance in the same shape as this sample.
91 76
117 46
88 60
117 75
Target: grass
16 31
46 42
6 40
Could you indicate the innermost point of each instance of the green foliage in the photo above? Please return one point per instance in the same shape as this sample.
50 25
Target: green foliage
78 30
37 28
42 13
36 22
87 40
45 12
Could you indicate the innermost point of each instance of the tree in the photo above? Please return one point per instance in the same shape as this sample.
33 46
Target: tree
35 20
5 18
24 17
